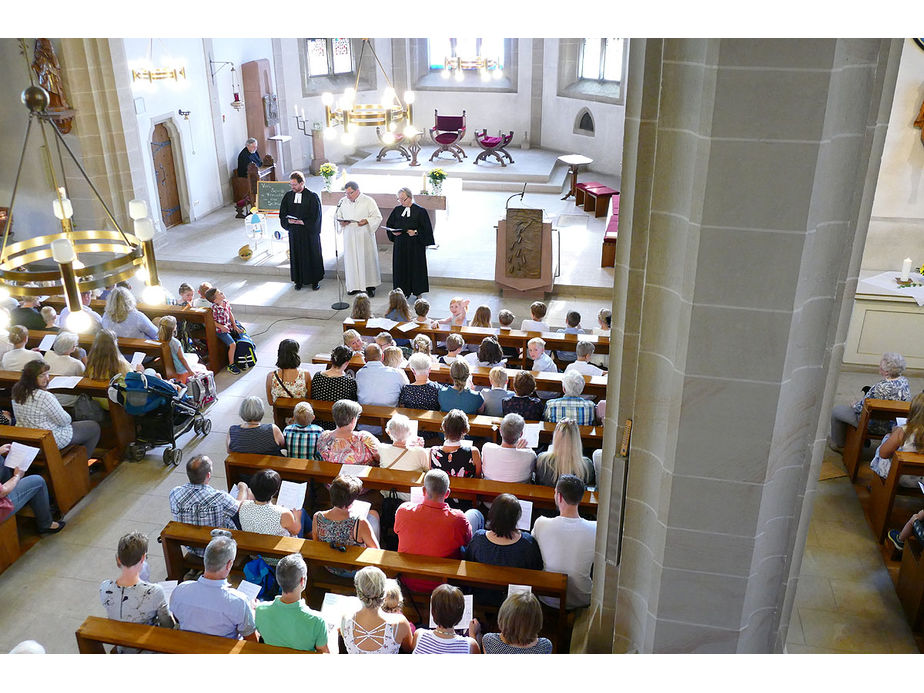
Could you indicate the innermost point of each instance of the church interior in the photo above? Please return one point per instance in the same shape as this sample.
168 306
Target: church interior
766 190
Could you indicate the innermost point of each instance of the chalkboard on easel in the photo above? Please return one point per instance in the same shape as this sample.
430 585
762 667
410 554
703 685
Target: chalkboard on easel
269 195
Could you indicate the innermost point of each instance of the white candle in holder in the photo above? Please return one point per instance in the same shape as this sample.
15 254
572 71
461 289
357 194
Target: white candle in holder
906 269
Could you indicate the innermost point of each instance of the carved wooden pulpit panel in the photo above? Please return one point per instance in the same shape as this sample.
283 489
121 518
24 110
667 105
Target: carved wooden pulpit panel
523 243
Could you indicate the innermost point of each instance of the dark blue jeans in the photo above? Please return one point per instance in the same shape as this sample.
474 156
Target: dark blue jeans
31 490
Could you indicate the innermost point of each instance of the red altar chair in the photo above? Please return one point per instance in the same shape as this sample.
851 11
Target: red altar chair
446 132
493 146
396 145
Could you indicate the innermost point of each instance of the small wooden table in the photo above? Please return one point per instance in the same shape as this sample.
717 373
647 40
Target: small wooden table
574 161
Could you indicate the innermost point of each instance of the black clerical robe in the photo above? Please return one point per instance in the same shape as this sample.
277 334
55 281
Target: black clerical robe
409 257
244 159
305 259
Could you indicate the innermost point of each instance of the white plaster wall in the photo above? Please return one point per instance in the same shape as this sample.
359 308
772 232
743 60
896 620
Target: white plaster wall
234 123
896 228
32 214
196 150
559 114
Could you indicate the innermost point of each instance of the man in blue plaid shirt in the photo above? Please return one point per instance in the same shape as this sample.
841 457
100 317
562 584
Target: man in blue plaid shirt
197 503
572 405
302 435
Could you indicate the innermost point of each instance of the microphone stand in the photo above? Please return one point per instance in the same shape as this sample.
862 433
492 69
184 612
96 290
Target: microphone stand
521 194
340 304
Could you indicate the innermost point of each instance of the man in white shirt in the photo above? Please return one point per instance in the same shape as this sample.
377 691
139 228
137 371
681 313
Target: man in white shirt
537 312
18 356
96 320
376 383
61 362
584 351
567 542
511 460
359 217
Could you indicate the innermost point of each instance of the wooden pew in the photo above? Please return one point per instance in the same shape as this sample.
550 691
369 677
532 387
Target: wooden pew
10 549
910 586
474 335
481 426
881 409
883 491
149 347
552 382
317 554
116 436
65 471
95 632
218 352
239 465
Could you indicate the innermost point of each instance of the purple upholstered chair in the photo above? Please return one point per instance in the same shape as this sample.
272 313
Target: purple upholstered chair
493 146
446 132
396 145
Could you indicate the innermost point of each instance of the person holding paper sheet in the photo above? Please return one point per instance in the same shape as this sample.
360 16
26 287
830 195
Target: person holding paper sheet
61 362
504 544
210 605
564 457
447 606
18 356
571 405
512 460
300 215
123 317
409 228
358 217
17 491
35 407
262 516
371 630
341 525
252 435
908 438
130 599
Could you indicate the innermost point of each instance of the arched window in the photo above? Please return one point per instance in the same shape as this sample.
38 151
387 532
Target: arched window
584 123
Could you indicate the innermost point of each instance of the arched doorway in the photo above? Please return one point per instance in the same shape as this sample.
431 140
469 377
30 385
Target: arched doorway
165 176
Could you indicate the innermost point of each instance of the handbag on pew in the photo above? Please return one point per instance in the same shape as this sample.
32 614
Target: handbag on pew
88 409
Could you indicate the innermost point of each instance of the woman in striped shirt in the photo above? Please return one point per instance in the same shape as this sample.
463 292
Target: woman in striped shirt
447 606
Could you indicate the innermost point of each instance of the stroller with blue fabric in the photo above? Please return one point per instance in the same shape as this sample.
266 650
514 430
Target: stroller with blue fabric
161 414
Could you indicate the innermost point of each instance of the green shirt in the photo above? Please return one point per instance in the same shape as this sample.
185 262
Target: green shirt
291 625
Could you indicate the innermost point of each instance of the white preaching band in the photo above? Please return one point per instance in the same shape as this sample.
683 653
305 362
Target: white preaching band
359 216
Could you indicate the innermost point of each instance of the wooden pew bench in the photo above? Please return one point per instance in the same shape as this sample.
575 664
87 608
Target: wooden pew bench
910 585
95 632
481 426
218 352
580 189
10 549
318 554
116 433
880 409
149 347
597 199
610 236
65 471
552 382
883 491
239 465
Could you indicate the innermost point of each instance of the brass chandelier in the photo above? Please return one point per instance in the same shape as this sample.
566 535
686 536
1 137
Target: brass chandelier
133 253
390 113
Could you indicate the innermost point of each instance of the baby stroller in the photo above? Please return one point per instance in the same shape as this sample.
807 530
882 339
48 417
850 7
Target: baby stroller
161 414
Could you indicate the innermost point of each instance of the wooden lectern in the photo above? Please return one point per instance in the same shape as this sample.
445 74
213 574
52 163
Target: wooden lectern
523 262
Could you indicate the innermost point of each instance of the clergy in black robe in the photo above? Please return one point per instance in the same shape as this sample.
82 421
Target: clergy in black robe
248 153
300 215
409 228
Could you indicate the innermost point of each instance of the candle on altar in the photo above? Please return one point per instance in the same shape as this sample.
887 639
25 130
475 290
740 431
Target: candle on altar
906 269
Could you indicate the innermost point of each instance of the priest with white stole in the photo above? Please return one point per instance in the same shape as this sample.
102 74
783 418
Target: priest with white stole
359 217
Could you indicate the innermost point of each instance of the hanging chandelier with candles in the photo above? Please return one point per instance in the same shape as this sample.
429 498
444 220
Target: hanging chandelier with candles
23 270
390 113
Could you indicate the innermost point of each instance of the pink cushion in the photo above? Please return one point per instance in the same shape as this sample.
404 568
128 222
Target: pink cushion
588 184
447 137
601 191
490 141
449 122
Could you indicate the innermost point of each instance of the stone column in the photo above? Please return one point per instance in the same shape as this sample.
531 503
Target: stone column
748 173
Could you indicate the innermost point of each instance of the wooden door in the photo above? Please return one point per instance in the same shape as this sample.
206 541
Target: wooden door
165 175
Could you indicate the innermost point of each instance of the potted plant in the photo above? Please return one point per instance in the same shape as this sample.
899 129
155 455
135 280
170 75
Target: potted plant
328 171
436 177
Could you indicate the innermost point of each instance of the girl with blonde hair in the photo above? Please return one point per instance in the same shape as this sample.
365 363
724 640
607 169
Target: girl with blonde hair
564 457
362 307
482 317
398 308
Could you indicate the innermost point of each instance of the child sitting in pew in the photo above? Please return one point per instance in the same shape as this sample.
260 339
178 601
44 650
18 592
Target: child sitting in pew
537 311
505 321
422 309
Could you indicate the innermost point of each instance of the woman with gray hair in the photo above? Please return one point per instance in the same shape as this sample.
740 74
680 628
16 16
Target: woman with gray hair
893 385
61 362
346 445
124 319
252 435
409 228
370 630
404 453
423 393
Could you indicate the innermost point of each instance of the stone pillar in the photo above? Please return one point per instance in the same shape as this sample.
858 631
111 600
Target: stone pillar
106 130
748 175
